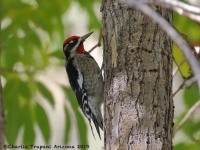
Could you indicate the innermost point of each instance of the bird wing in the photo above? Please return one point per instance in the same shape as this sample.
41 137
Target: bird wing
81 94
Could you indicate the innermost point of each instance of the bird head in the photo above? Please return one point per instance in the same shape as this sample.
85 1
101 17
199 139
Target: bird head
74 44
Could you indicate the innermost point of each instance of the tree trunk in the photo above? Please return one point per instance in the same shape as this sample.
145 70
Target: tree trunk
138 108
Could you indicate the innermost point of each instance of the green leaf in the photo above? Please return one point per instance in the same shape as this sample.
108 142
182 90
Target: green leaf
191 95
191 29
180 146
43 122
29 132
80 122
68 125
178 58
17 96
9 54
24 90
187 146
46 93
182 23
21 91
13 123
11 86
191 127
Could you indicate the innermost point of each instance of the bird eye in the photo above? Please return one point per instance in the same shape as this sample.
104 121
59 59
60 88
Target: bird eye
71 42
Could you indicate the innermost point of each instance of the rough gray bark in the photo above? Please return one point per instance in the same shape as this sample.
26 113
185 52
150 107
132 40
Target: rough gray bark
138 108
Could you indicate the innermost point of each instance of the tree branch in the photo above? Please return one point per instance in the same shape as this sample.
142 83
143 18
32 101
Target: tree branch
180 7
180 87
166 26
98 44
178 67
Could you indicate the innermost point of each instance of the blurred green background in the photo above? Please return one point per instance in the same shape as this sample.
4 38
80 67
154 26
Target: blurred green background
32 33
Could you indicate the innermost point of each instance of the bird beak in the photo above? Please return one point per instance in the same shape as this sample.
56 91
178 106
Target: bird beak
84 37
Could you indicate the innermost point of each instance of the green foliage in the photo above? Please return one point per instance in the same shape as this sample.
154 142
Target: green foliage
190 29
186 146
191 94
32 37
179 57
32 34
29 133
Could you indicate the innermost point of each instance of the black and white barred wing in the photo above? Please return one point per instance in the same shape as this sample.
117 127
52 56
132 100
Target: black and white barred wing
76 81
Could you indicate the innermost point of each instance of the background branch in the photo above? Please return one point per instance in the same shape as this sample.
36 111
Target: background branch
98 44
181 8
187 116
178 67
180 87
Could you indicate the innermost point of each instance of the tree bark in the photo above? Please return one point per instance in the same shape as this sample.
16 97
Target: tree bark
138 108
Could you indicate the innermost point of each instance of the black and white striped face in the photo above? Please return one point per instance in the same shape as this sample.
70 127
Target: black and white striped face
74 44
70 46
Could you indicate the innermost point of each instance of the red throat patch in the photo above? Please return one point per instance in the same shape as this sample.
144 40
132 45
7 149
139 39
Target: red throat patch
80 48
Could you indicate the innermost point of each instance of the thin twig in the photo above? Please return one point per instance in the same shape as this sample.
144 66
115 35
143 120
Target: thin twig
178 67
166 26
186 82
190 81
185 37
190 44
187 116
179 88
98 44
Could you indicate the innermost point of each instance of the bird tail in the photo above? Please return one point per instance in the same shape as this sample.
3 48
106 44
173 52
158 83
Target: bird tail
97 125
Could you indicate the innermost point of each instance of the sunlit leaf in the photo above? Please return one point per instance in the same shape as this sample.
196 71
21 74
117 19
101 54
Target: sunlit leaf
187 26
179 58
190 29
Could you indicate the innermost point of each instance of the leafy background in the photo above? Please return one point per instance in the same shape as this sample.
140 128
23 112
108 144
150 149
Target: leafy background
34 79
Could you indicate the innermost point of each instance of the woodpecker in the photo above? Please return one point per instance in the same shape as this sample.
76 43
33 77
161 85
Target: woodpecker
85 78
